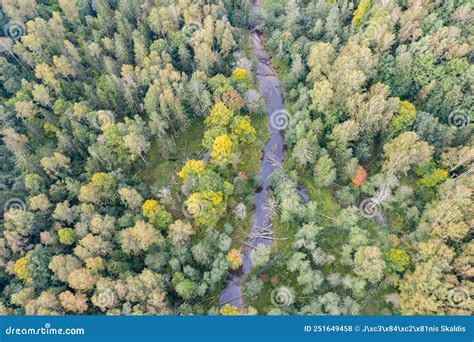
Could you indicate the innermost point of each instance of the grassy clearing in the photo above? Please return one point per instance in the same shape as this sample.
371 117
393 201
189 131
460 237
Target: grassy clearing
323 197
188 145
284 235
159 174
160 171
281 68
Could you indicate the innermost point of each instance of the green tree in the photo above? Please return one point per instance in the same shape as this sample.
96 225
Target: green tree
368 263
403 119
67 236
184 287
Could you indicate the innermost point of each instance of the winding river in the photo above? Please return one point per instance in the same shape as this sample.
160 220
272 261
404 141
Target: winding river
271 89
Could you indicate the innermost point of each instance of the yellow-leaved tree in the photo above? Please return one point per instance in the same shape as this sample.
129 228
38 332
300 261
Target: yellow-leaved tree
192 167
222 150
229 310
234 258
239 75
220 115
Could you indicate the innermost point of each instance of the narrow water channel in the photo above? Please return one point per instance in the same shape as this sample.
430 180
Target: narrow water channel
271 89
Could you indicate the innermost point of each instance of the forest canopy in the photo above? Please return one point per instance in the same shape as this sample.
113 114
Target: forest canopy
133 139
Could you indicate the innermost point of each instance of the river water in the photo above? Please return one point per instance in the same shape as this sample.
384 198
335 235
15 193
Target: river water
271 89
